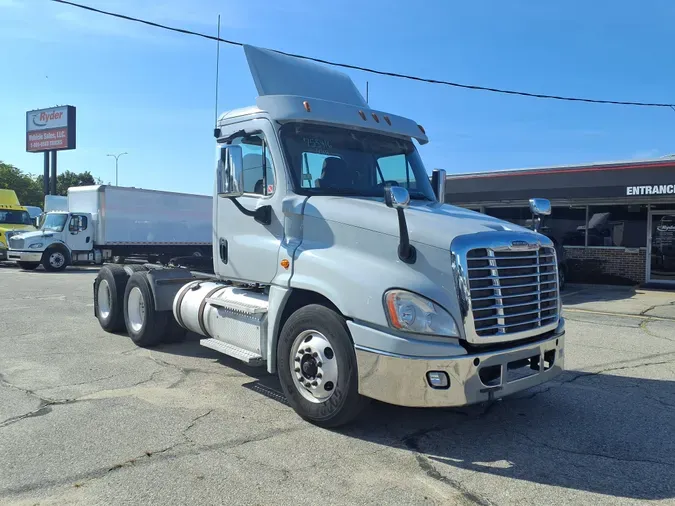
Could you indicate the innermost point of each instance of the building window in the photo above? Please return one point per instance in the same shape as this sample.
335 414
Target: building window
624 225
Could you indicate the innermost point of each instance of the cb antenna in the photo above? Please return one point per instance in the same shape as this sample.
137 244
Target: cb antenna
216 130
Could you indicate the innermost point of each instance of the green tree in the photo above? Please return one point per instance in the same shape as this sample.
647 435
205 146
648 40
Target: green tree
67 179
26 187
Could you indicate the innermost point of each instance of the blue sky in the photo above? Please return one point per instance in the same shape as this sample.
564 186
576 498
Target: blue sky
150 92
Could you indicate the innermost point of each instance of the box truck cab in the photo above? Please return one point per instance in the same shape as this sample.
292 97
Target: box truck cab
14 219
338 266
63 238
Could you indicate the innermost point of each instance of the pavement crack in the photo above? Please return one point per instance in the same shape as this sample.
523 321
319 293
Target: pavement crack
584 374
594 454
644 327
44 408
411 442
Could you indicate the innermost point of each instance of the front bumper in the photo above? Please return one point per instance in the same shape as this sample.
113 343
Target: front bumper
402 379
24 256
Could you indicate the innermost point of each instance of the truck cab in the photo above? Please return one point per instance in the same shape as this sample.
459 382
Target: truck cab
14 219
61 238
338 266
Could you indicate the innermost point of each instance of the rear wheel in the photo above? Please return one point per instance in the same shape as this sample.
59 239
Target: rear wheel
109 287
317 367
145 325
29 266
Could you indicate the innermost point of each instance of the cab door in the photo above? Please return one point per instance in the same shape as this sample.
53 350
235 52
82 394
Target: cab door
79 235
246 249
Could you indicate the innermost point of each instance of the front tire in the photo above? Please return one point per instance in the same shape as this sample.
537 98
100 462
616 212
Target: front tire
317 367
145 325
55 260
29 266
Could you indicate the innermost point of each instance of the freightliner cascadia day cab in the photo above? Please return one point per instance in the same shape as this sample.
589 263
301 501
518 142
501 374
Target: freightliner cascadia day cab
102 222
14 219
338 267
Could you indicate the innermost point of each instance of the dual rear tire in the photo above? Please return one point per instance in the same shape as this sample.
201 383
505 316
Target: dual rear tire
123 300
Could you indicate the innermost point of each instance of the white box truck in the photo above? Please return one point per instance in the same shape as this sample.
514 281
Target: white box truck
102 222
338 266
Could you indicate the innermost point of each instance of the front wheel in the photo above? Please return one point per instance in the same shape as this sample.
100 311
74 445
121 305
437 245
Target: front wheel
55 260
29 266
317 367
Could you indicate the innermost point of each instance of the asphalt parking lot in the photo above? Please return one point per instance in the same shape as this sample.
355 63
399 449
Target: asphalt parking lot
88 418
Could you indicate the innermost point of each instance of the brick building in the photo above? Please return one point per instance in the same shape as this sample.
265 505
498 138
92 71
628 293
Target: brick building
616 221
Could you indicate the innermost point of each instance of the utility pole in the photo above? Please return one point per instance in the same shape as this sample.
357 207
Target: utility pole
117 157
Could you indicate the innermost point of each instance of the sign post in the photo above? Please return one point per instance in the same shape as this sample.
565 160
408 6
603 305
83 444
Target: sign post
48 131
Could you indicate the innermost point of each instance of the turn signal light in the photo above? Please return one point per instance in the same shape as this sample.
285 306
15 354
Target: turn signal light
285 263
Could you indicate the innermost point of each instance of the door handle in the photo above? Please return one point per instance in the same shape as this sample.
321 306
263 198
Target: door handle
224 250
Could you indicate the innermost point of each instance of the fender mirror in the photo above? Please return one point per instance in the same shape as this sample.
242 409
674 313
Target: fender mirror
230 172
398 198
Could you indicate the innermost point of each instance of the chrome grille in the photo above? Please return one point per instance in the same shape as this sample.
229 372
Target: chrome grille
512 292
15 242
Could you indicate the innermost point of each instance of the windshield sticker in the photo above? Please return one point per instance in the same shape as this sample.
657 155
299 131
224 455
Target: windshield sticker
317 145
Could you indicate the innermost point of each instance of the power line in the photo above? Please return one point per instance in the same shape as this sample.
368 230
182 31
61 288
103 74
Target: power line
367 69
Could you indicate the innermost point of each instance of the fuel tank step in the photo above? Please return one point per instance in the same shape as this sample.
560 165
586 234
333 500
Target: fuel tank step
245 356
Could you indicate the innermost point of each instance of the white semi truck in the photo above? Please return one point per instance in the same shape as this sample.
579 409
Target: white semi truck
338 266
102 222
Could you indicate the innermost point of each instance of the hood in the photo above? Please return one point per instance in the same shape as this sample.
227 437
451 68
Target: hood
27 236
429 223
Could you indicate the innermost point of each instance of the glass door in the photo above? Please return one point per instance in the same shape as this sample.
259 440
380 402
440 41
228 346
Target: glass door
661 247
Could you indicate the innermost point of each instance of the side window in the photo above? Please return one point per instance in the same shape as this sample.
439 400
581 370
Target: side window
396 168
77 223
254 151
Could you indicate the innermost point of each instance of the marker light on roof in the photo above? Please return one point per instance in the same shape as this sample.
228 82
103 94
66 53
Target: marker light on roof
377 120
421 129
307 107
363 115
386 118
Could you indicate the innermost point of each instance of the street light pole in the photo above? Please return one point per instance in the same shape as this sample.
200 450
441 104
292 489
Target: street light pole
117 157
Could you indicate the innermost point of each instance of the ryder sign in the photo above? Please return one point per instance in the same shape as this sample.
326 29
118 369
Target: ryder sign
50 129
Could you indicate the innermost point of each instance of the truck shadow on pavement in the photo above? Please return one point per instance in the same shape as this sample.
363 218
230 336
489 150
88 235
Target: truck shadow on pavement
589 432
599 433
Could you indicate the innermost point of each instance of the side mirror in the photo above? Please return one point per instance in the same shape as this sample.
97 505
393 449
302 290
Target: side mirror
396 197
438 177
230 172
540 207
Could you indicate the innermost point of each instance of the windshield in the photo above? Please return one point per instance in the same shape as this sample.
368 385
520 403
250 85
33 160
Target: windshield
328 160
54 222
15 218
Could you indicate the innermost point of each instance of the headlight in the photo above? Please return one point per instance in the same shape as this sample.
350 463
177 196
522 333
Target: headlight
35 245
413 313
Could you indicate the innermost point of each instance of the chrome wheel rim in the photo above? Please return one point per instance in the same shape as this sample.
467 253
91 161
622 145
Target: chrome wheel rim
136 309
314 367
104 304
57 260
